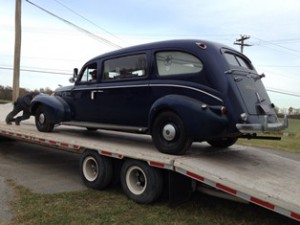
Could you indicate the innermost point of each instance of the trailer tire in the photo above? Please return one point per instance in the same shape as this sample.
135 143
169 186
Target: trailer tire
140 182
169 134
42 122
96 170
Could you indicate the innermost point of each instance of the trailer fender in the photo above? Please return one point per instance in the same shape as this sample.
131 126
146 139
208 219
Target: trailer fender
200 120
57 108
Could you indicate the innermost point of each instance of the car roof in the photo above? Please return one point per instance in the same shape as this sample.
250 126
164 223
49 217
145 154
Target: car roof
184 44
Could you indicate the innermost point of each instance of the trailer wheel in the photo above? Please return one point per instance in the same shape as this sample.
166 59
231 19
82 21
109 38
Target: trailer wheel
42 122
222 142
169 134
96 171
140 182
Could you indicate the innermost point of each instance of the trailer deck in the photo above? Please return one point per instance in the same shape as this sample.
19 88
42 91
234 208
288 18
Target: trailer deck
265 179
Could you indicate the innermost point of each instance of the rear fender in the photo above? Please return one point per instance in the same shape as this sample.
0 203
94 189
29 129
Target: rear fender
200 121
57 108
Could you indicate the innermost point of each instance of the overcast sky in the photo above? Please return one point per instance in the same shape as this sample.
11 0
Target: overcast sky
48 44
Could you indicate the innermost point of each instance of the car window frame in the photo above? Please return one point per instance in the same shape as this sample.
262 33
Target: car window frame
180 74
134 78
95 66
238 56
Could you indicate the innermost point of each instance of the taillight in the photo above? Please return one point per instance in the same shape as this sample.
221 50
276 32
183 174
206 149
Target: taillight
220 110
223 110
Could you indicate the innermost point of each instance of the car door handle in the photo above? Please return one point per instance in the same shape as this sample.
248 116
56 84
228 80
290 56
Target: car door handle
94 92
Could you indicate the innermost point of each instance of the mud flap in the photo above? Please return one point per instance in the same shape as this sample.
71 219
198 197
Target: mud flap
180 188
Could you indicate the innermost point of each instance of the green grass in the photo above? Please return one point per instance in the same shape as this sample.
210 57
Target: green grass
112 207
294 126
290 139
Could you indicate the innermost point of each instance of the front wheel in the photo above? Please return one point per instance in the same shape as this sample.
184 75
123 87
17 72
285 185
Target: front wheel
140 182
169 134
42 122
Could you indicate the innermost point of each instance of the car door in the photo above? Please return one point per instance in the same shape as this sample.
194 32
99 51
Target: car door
81 94
122 97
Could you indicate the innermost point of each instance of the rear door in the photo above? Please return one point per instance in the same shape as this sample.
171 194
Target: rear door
249 84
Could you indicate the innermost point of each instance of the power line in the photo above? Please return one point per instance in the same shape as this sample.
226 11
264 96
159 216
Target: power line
98 38
64 73
277 45
84 18
36 71
283 92
288 41
285 66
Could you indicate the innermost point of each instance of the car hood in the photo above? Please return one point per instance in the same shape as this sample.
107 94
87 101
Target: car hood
65 88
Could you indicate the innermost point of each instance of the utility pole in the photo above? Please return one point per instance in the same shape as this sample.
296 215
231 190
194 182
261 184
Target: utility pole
17 53
241 42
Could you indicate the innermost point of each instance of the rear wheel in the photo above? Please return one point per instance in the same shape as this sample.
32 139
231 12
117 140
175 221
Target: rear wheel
140 182
169 134
42 121
222 142
96 170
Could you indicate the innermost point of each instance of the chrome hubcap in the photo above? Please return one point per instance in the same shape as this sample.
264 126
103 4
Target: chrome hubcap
169 132
90 169
136 180
41 118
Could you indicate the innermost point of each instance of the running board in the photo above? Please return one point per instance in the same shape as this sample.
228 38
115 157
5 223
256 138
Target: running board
131 129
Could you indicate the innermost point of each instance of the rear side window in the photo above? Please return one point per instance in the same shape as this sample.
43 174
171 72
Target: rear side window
236 60
176 63
127 67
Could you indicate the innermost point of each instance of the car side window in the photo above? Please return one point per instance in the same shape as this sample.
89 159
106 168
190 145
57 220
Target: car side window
177 63
236 60
127 67
89 73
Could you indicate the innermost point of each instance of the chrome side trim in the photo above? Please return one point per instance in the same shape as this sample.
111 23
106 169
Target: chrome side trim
187 87
151 85
110 87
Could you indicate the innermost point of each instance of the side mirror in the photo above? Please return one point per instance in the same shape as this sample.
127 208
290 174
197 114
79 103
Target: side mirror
75 74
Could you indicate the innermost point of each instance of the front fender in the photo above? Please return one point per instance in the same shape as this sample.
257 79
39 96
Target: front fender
57 108
200 121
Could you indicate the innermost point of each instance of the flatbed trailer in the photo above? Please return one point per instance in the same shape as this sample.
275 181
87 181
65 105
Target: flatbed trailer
264 179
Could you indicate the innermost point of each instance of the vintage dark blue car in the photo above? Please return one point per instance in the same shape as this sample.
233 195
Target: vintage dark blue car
177 91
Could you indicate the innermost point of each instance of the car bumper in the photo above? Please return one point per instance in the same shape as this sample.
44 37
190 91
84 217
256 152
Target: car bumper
262 127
